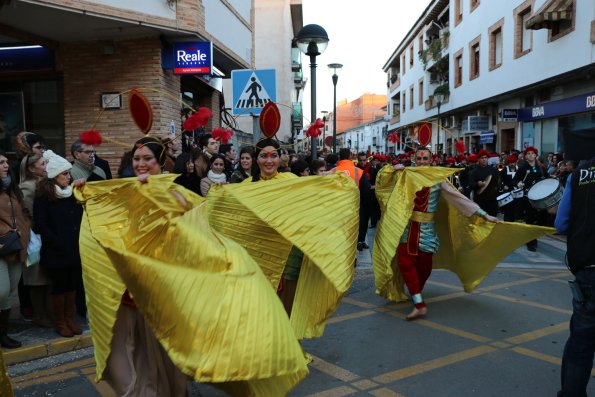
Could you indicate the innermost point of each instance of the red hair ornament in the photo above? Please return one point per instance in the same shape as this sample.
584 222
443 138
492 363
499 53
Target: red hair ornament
141 111
315 129
270 119
200 118
222 134
91 137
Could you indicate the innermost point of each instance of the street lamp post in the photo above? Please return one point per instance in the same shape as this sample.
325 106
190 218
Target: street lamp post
439 99
335 68
312 40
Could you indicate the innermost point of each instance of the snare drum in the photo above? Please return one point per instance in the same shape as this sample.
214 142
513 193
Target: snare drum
545 194
517 193
504 199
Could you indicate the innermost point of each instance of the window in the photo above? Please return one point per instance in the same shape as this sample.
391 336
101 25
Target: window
474 62
411 97
420 43
458 11
564 26
403 63
395 108
473 5
411 56
421 91
522 36
404 102
458 57
495 34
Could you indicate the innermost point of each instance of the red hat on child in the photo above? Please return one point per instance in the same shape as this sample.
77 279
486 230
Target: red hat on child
482 153
511 159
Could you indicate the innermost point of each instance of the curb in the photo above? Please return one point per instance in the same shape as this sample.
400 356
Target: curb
46 349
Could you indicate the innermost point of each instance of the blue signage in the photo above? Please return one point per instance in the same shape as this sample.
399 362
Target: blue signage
577 104
193 57
487 136
509 114
26 59
252 89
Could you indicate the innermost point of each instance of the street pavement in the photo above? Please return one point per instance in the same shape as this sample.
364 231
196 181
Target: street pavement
504 339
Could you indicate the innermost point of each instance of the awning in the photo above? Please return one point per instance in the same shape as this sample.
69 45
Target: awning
551 12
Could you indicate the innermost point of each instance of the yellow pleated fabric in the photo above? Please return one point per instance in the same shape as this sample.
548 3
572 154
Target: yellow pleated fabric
202 294
317 214
5 386
470 247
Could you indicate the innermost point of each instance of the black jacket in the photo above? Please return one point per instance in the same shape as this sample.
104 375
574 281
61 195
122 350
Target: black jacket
59 224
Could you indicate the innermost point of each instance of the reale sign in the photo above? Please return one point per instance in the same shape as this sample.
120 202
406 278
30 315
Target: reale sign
193 57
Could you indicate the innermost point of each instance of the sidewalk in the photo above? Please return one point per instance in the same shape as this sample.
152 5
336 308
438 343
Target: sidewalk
41 342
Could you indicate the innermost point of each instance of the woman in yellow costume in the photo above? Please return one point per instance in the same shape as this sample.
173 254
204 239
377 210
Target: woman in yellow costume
421 211
191 268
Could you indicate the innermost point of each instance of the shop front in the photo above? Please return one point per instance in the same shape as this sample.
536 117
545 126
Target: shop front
563 126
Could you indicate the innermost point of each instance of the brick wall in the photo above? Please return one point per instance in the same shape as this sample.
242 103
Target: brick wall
87 73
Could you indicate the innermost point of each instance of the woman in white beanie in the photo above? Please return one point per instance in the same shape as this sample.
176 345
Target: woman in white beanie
57 218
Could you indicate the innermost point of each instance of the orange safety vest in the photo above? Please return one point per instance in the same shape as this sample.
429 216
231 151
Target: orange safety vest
349 168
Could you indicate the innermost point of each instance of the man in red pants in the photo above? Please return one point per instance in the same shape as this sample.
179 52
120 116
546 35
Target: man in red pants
419 241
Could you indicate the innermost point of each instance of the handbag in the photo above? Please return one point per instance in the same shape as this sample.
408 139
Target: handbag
11 241
34 249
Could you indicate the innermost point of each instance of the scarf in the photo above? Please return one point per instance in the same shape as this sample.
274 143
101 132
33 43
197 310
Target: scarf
217 178
63 193
6 181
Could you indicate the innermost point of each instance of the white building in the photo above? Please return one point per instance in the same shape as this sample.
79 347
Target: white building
368 137
276 23
515 73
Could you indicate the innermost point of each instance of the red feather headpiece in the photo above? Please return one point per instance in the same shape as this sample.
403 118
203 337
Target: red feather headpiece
91 137
222 134
460 147
200 118
314 129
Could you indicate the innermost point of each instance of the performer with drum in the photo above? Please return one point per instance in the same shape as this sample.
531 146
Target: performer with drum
507 174
528 175
485 182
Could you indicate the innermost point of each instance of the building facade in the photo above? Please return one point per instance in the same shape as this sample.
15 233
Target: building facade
60 59
511 74
276 24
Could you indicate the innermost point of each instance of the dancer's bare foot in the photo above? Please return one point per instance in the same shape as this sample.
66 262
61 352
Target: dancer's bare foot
417 313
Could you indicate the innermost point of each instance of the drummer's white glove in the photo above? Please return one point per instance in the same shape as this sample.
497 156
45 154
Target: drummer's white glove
520 185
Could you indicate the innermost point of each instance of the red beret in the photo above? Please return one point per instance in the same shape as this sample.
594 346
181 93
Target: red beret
531 149
482 153
395 162
450 160
472 158
461 157
494 155
511 159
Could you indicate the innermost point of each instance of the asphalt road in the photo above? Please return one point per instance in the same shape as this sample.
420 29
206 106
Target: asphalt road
505 339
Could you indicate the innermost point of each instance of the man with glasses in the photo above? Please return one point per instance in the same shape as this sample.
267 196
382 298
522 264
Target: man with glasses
419 240
84 166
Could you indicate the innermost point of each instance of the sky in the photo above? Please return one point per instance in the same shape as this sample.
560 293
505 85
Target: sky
362 37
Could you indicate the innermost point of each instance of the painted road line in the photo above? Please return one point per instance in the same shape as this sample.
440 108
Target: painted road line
540 333
540 356
52 371
509 284
444 328
355 302
510 265
431 365
46 380
528 303
384 392
333 370
351 316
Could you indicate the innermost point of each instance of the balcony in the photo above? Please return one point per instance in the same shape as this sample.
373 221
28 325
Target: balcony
298 77
431 102
296 59
395 119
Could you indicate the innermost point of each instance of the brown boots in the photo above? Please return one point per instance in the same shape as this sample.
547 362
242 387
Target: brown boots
64 314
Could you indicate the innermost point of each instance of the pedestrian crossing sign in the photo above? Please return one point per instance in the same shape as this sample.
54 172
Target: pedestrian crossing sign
252 89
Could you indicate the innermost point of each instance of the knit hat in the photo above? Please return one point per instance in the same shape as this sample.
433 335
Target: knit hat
155 145
56 164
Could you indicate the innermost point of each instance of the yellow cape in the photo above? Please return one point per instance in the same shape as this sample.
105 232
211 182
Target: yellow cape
469 247
5 386
317 214
202 293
